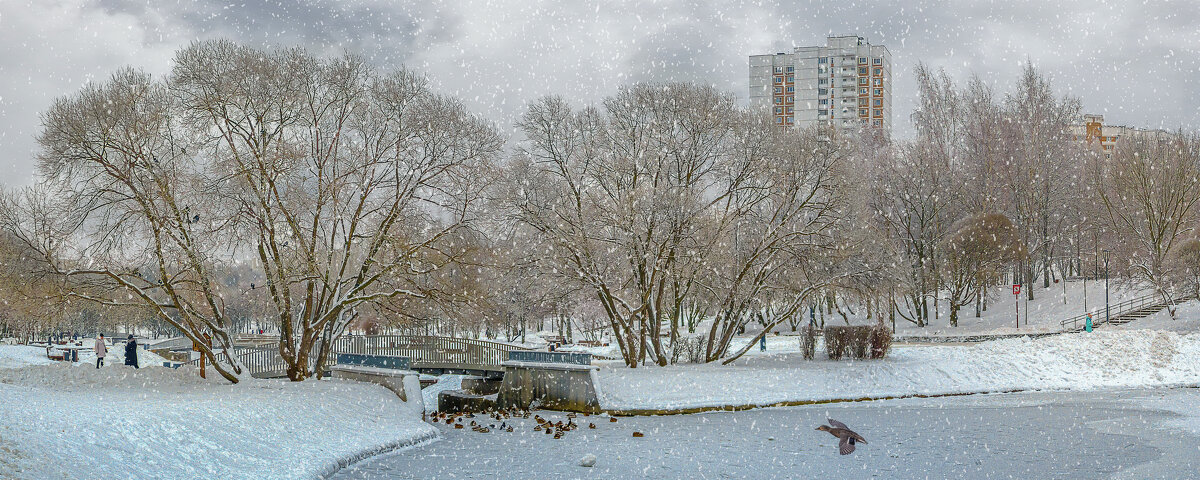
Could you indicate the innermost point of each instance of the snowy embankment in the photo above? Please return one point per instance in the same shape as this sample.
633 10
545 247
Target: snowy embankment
75 421
1061 362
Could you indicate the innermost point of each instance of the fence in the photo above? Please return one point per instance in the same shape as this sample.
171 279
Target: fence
423 351
1114 310
551 357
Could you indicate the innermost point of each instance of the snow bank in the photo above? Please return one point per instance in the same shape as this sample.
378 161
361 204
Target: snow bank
17 356
445 382
76 421
1075 361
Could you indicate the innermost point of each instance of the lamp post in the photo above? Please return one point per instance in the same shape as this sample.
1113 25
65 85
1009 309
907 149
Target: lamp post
1106 311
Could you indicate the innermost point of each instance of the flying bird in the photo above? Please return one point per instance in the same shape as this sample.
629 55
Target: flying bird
847 438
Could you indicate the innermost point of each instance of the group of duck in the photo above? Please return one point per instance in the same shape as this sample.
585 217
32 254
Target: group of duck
487 422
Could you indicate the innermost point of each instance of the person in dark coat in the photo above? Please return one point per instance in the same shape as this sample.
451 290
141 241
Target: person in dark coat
131 352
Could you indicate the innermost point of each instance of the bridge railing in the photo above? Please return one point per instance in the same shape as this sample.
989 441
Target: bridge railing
424 351
1114 310
429 350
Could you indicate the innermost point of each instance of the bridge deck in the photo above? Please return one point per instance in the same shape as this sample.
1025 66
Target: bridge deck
442 354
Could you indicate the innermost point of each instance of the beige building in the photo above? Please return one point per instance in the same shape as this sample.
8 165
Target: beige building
1093 131
845 84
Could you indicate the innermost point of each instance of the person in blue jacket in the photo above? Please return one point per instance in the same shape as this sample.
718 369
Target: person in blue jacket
1088 324
762 343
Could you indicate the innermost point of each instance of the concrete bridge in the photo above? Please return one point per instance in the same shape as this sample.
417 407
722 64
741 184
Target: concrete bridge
428 354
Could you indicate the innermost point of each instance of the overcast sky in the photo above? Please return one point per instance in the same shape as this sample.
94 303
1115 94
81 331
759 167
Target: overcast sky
1135 63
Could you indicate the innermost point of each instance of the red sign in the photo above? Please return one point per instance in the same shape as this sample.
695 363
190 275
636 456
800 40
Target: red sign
1017 289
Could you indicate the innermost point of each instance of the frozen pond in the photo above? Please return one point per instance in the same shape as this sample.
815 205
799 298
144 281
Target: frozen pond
1025 435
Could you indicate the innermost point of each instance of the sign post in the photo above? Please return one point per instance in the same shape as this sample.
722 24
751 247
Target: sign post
1017 302
196 347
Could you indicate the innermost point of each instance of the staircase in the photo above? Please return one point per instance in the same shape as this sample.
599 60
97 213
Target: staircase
1121 313
1143 312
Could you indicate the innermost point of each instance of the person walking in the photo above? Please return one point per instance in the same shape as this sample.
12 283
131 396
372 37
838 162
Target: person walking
762 343
131 352
101 350
1088 326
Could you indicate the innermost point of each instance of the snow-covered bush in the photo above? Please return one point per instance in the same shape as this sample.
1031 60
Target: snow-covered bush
857 341
688 349
808 342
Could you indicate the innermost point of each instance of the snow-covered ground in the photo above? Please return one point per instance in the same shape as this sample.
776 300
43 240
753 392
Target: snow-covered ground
1083 361
62 420
1049 307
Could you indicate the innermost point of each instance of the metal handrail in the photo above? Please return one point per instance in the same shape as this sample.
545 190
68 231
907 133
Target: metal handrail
424 351
1115 310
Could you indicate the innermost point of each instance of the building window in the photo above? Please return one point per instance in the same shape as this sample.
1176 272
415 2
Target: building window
779 89
877 123
789 110
778 79
862 102
778 110
791 69
877 103
863 81
821 60
862 111
779 120
821 81
778 69
862 60
822 91
790 99
878 71
878 81
789 119
824 101
877 92
779 100
862 71
878 112
790 79
822 112
862 91
877 61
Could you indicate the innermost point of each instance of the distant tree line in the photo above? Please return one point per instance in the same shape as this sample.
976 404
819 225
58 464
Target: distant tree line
309 197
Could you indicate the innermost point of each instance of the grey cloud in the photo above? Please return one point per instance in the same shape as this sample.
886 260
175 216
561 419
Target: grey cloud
1134 62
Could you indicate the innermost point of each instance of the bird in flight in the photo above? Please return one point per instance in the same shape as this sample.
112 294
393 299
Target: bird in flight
846 437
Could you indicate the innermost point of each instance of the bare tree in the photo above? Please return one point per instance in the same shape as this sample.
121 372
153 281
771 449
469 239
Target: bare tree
974 256
669 203
344 185
1150 188
1040 169
350 184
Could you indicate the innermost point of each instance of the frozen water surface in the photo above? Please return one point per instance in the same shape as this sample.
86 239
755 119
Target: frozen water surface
1101 434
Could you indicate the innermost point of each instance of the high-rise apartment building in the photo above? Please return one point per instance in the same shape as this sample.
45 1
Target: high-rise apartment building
845 84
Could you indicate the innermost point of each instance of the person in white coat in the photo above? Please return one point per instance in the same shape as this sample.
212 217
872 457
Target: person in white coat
101 350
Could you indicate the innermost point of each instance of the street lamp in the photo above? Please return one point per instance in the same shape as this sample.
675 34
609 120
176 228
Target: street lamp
1105 285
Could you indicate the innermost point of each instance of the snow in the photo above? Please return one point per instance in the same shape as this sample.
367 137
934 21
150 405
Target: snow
1049 307
1101 433
65 420
1082 361
445 382
16 356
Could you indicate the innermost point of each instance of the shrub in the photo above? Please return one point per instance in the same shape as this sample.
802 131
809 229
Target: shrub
688 349
881 340
808 342
857 341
